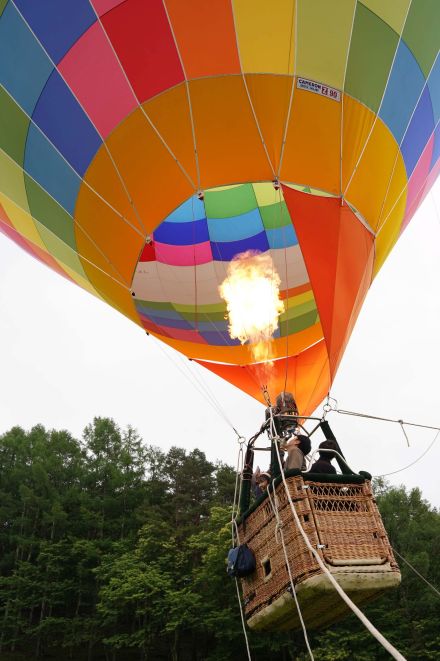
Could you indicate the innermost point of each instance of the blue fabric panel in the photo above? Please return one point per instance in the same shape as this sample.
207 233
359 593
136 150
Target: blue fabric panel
436 150
224 252
44 164
154 312
24 67
219 339
57 23
214 327
171 323
421 127
235 228
434 89
182 234
192 209
62 119
282 237
403 90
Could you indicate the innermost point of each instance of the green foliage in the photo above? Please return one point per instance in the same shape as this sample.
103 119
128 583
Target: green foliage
110 549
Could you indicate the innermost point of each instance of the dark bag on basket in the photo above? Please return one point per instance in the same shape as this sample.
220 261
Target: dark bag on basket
241 561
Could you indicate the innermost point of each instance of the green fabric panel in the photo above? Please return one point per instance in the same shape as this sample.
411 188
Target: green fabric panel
155 304
60 250
230 202
50 214
12 181
422 32
298 310
3 4
373 45
13 128
298 324
275 215
206 309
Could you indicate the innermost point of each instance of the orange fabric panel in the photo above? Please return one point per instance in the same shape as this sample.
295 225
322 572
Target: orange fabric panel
109 232
270 98
358 120
170 114
154 180
338 252
228 142
205 36
308 377
103 177
312 151
241 354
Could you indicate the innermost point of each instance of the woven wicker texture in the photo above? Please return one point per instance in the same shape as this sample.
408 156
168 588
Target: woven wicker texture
341 521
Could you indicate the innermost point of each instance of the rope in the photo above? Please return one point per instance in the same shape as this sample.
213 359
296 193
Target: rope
279 529
417 572
234 532
413 462
376 417
365 621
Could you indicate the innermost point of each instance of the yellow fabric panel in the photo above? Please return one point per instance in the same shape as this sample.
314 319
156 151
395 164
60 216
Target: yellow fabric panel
12 181
357 123
266 195
110 290
22 221
109 232
392 12
312 151
270 98
228 142
103 177
369 184
324 30
81 281
240 355
392 215
265 34
155 181
170 114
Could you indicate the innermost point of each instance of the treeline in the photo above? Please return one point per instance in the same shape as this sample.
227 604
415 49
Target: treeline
112 549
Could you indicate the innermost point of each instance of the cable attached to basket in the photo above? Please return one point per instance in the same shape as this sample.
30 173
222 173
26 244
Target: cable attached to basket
234 529
279 528
365 621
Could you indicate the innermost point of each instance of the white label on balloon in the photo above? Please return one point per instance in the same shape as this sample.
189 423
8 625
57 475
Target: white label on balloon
318 88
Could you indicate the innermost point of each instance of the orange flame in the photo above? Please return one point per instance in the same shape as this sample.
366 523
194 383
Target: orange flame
252 294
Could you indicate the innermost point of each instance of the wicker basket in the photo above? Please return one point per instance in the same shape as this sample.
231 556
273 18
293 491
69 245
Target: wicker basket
343 523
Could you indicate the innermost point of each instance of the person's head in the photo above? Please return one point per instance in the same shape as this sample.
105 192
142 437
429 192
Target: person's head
304 444
263 481
327 445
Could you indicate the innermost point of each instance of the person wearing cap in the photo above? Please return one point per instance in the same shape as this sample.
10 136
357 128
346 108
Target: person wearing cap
323 464
297 447
260 482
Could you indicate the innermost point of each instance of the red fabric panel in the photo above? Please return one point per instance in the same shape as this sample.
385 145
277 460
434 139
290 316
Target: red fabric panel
308 377
338 252
205 34
148 253
142 38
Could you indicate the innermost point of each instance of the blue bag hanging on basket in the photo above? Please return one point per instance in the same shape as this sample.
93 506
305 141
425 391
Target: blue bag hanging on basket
241 561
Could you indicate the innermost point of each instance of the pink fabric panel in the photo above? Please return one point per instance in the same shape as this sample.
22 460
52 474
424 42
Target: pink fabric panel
199 253
417 182
182 334
94 74
103 6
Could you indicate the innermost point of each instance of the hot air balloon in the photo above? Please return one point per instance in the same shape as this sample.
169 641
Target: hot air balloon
145 145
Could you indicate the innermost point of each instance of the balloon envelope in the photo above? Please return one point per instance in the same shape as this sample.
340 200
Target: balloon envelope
115 115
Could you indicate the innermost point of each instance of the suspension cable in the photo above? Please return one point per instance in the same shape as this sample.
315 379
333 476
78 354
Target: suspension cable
234 530
279 529
417 572
365 621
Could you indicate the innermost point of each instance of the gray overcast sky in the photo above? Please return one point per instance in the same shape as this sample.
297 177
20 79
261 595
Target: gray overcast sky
67 357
